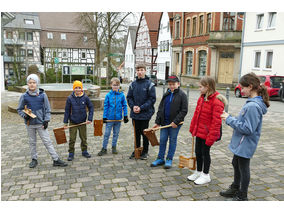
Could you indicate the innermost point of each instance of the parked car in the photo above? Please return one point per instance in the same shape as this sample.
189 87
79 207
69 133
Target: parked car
271 82
154 79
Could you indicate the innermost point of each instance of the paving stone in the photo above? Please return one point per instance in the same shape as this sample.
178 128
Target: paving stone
169 194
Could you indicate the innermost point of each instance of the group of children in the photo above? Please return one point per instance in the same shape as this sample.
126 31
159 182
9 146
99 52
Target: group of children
205 125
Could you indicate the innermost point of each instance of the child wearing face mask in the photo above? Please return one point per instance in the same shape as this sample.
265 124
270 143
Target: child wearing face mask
205 126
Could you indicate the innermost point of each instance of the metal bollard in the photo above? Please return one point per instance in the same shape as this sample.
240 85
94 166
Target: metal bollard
281 92
187 91
164 88
227 96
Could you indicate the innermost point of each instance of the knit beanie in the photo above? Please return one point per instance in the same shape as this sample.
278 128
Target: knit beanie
33 77
77 84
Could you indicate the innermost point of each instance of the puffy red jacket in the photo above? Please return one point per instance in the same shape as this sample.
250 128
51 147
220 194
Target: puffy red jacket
206 121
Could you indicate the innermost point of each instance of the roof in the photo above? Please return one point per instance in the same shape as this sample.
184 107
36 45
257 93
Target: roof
19 21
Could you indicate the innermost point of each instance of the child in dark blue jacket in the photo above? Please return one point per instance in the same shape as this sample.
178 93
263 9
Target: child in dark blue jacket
114 105
75 112
247 129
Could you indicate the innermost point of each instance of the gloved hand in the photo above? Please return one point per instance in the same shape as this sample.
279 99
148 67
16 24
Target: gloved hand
104 120
45 124
27 117
125 120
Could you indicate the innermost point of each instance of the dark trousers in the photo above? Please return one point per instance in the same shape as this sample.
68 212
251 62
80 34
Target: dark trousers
241 172
202 152
82 134
140 125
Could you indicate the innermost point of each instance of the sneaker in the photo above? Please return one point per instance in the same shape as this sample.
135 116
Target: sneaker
71 156
144 156
132 156
114 151
194 176
86 154
231 191
59 163
102 152
33 164
158 162
204 178
240 196
168 164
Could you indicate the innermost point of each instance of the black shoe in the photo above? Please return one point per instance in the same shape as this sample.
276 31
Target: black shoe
71 156
132 156
33 164
86 154
114 151
102 152
59 163
240 196
230 192
144 156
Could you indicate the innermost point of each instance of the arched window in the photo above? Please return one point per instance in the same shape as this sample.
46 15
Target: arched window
202 63
189 60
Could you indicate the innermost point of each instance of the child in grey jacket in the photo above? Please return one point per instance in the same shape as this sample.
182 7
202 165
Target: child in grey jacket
36 100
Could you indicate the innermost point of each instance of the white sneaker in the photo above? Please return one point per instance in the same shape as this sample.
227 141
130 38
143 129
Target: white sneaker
204 178
194 176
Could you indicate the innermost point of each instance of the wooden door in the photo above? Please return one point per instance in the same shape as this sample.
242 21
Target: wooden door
226 68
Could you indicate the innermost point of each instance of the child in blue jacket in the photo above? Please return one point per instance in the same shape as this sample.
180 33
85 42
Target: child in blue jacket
114 105
247 129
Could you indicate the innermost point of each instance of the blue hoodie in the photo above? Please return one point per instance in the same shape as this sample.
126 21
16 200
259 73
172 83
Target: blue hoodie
247 127
114 103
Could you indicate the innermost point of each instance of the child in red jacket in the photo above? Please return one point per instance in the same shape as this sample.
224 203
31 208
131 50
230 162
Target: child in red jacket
205 125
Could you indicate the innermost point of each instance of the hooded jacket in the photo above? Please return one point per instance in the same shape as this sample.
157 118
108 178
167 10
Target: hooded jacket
206 121
114 104
142 93
247 127
75 109
38 103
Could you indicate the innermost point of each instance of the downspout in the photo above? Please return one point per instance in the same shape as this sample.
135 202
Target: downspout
242 46
182 32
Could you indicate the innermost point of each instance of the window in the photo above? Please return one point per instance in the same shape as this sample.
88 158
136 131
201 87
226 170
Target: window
22 52
187 27
54 54
271 20
9 35
22 36
23 71
64 54
30 53
10 52
209 22
63 36
201 25
269 56
202 63
167 46
29 21
177 29
229 21
83 55
257 59
50 35
29 36
259 21
66 70
85 38
194 27
189 59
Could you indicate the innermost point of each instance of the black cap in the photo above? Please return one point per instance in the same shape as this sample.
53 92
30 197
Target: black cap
173 78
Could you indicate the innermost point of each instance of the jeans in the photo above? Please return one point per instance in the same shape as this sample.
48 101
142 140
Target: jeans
140 125
241 172
202 152
172 134
116 128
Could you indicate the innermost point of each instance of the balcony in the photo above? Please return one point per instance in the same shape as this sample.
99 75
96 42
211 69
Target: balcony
221 37
13 42
11 59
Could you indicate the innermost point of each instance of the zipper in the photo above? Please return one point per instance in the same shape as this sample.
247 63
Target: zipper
242 140
115 106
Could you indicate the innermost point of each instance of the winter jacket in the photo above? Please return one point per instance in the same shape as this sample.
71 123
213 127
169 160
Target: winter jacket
247 127
75 109
39 105
178 107
206 121
114 104
142 93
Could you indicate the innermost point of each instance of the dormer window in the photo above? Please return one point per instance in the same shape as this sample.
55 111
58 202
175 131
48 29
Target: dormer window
29 21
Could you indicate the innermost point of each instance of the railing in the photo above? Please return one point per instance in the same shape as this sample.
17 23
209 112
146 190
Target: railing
13 42
11 59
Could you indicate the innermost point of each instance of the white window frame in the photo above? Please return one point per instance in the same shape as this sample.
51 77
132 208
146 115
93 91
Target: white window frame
85 38
29 21
257 17
269 20
266 54
63 36
254 58
50 35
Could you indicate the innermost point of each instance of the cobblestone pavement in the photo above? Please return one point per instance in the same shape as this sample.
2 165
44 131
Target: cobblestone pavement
116 177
